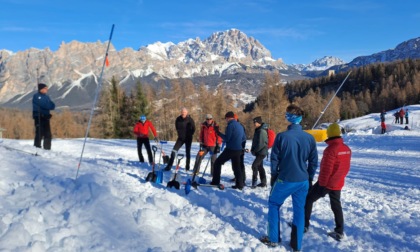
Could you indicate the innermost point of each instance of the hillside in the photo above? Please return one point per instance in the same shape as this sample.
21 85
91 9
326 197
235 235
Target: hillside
110 207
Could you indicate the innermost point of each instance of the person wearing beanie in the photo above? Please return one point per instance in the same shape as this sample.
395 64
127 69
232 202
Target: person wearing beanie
259 149
141 130
294 159
41 107
210 141
233 137
185 127
335 165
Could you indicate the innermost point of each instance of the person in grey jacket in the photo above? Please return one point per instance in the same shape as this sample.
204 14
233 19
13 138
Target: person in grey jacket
259 149
41 106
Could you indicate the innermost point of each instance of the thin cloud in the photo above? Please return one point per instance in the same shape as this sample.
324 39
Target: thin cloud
359 6
286 33
22 29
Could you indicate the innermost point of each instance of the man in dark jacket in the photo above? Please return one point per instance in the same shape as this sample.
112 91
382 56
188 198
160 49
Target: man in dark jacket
294 160
233 137
185 128
335 165
41 106
259 149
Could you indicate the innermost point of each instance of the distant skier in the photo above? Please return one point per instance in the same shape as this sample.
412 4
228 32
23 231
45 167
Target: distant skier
335 165
402 114
383 115
41 106
141 130
383 127
397 117
406 116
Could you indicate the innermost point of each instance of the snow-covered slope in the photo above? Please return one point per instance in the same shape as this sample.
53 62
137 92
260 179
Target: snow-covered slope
110 207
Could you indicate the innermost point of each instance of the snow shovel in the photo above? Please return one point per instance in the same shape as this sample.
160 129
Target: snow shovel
152 175
173 182
196 170
202 180
159 172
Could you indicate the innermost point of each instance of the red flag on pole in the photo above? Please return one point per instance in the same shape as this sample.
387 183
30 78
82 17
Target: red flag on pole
106 61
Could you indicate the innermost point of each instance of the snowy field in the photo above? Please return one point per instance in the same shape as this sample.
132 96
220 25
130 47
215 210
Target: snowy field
110 207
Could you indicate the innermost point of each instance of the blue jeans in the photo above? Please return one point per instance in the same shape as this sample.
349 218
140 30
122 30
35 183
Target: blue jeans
279 193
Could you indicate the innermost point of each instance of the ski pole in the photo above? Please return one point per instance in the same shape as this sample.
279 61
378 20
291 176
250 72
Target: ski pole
98 88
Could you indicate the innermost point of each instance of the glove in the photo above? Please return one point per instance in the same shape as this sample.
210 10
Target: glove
217 149
201 146
253 153
156 140
273 180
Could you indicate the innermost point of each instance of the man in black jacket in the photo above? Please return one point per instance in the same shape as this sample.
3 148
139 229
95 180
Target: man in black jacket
185 128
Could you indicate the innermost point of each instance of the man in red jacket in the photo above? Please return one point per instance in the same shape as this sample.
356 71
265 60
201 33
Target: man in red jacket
335 165
209 141
141 130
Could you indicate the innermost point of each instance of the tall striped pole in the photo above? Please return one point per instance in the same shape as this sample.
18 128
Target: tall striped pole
98 88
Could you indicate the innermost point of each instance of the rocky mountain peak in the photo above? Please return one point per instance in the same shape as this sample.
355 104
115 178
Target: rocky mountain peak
320 64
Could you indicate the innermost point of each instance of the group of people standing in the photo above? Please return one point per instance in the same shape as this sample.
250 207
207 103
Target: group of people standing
400 115
399 118
294 160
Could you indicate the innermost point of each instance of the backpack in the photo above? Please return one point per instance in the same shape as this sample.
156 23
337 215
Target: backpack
271 136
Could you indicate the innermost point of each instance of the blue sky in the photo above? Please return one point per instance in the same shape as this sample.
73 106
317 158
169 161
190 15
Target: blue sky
296 31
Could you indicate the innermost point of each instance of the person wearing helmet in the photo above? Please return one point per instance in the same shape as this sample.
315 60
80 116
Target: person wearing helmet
141 130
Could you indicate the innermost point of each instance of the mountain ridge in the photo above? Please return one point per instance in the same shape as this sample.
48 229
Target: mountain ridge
224 57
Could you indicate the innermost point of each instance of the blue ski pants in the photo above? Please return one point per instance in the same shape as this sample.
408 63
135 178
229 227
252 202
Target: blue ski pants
279 193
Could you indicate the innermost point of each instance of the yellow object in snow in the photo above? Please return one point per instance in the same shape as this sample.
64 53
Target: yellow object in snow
320 135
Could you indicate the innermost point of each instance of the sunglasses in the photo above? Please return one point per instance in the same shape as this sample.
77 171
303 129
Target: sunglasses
208 119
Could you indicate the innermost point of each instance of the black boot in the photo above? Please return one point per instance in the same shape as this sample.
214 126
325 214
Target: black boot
171 161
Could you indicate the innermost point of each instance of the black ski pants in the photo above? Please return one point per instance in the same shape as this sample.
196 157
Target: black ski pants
258 167
199 158
177 146
146 142
235 157
42 132
318 192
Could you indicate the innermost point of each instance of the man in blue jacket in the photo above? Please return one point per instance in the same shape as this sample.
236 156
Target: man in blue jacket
41 106
294 159
233 137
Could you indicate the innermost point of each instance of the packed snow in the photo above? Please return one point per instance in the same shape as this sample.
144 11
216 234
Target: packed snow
110 206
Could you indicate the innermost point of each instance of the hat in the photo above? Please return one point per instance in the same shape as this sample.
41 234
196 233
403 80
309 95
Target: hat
41 86
230 114
142 118
333 130
258 119
209 116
